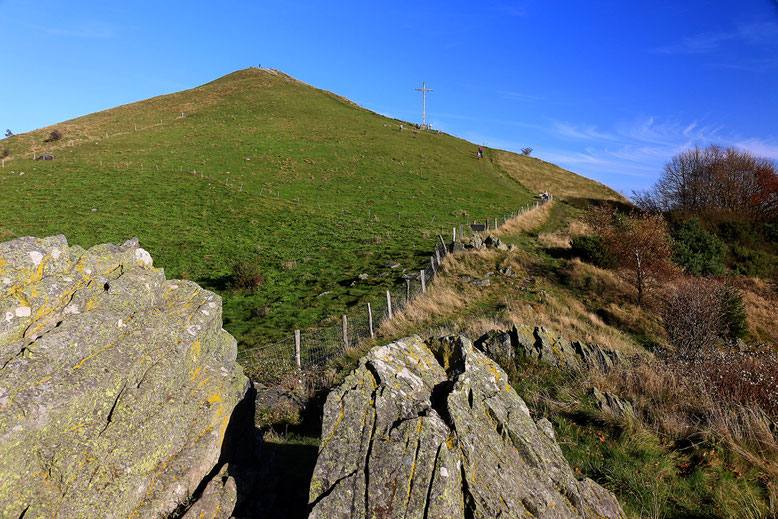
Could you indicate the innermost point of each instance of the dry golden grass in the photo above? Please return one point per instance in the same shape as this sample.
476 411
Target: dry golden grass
761 304
559 240
454 301
571 319
605 283
677 407
538 176
440 300
525 222
579 228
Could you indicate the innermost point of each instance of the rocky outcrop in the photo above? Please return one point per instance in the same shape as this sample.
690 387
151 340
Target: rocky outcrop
435 430
612 404
494 242
117 386
544 345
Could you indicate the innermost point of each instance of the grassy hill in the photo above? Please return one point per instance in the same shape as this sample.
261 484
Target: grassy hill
538 176
343 192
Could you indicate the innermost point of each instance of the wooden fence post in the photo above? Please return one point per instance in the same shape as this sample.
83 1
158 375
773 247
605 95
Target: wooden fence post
443 244
389 303
297 348
423 276
437 255
432 264
495 223
407 290
454 234
370 320
345 333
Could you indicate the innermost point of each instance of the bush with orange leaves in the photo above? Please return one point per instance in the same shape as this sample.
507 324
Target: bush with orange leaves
639 244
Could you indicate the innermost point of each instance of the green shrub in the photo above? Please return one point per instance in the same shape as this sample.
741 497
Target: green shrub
246 275
736 232
750 262
696 250
771 232
54 135
4 153
592 249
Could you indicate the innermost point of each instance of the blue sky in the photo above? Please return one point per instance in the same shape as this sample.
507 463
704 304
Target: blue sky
610 90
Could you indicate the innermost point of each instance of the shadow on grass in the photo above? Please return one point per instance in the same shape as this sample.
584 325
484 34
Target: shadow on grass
277 485
561 252
281 491
218 283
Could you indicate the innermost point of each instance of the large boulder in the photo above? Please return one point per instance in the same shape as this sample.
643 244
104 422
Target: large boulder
435 430
117 386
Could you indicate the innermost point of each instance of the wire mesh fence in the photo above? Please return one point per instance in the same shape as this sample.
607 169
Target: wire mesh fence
314 349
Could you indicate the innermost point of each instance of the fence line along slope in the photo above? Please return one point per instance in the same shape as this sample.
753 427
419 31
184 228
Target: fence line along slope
312 349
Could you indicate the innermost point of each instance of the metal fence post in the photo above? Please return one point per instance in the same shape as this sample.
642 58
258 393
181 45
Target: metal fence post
297 349
389 303
345 333
370 320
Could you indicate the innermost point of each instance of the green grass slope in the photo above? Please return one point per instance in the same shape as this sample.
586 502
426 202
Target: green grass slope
343 192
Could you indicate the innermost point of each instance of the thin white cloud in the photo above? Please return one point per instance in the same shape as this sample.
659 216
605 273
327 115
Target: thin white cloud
632 154
755 33
87 29
515 9
519 96
765 148
697 44
581 132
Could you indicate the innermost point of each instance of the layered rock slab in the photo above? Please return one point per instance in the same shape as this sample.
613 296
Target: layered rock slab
435 430
116 385
544 345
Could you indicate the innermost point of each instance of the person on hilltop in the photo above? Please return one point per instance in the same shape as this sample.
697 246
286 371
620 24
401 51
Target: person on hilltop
480 152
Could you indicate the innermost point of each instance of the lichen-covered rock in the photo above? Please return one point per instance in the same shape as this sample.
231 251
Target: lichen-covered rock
496 344
541 344
595 357
613 404
116 385
435 430
544 345
217 500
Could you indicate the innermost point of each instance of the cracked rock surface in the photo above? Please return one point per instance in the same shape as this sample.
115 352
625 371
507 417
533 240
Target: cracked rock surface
116 385
433 430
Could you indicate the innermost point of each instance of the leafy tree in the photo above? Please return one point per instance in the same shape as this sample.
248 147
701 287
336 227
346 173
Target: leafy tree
9 133
526 151
715 181
639 244
696 250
